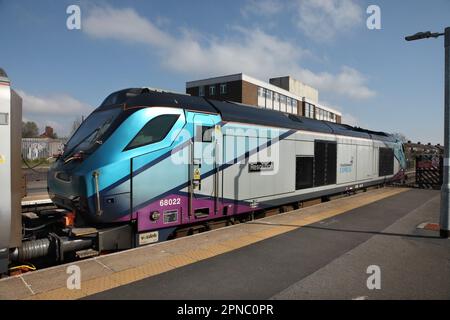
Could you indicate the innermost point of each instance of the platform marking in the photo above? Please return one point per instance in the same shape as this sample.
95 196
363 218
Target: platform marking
361 298
177 260
103 265
26 284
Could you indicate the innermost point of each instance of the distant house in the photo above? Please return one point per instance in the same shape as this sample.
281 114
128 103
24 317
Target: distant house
48 133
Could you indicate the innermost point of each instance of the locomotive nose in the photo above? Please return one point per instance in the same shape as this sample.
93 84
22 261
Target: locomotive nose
65 188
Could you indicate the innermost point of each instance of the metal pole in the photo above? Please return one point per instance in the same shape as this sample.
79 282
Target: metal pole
445 190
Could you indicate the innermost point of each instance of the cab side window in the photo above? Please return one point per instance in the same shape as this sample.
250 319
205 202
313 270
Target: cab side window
154 131
204 133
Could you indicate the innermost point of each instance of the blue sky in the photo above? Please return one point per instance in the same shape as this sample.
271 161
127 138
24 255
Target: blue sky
374 77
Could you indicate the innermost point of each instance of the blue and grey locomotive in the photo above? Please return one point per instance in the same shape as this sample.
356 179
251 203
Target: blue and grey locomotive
147 163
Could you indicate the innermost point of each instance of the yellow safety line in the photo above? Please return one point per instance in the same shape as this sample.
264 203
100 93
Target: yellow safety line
178 260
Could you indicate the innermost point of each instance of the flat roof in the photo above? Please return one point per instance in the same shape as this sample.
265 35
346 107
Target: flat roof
266 85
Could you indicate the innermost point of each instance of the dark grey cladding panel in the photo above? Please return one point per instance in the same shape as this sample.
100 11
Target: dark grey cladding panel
387 137
172 100
360 132
346 130
235 112
3 73
141 97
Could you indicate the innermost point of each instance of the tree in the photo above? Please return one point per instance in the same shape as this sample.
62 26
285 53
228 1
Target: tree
400 136
75 125
29 129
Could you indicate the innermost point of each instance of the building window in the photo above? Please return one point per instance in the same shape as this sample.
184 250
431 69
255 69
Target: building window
288 105
261 98
309 110
212 90
269 102
207 133
284 103
319 114
201 91
4 119
223 88
261 92
276 101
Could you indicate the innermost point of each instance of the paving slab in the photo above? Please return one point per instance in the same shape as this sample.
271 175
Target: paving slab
413 264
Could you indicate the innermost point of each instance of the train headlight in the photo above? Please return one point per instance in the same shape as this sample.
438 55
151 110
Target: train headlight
154 216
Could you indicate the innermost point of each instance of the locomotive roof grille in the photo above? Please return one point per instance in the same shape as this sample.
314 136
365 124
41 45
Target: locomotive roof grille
236 112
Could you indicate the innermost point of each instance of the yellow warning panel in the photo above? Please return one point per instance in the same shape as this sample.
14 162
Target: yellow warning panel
197 174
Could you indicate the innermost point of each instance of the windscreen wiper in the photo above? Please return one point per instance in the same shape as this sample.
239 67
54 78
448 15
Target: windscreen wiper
81 141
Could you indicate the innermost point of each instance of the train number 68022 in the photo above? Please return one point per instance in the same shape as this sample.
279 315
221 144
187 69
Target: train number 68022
169 202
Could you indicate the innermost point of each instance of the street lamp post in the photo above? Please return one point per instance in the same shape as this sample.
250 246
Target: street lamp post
445 190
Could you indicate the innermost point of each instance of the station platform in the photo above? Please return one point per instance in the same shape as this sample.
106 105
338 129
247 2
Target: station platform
318 252
36 199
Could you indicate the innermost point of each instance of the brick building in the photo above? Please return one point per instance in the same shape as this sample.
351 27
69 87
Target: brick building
283 94
48 133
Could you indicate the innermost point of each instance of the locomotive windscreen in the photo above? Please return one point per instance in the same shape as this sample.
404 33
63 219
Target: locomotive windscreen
92 130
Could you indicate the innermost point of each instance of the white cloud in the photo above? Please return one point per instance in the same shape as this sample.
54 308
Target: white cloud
124 25
250 51
349 82
57 104
323 20
261 7
57 111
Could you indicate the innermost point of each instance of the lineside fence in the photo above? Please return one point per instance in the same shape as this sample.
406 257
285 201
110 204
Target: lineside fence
429 171
41 148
